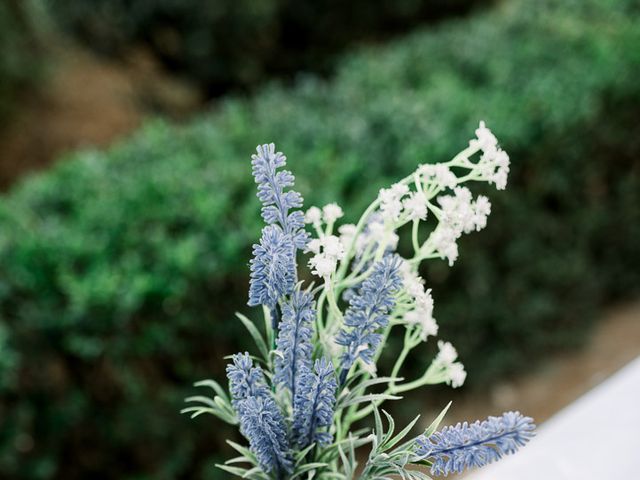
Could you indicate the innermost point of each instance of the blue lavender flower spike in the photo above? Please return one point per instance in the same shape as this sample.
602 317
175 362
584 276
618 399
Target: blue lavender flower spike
463 446
314 405
294 340
273 268
245 379
368 312
276 202
263 425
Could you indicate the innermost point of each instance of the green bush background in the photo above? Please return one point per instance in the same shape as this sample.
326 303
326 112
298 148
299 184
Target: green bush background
227 44
120 270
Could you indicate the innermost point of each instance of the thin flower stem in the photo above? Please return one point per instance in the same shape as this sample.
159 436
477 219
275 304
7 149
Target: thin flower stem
414 235
333 305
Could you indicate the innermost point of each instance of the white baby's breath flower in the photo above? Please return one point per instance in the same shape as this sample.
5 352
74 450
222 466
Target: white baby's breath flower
485 138
314 246
414 285
322 265
313 215
460 214
376 231
425 320
429 327
423 313
328 251
416 206
406 270
399 190
332 212
362 242
494 163
347 233
444 241
332 247
457 211
348 229
482 209
412 317
424 301
440 173
386 195
377 234
391 210
395 192
500 178
447 354
456 375
391 201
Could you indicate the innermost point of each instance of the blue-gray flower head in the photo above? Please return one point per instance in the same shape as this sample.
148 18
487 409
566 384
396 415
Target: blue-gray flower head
277 204
294 340
273 268
463 446
263 425
245 379
314 405
368 312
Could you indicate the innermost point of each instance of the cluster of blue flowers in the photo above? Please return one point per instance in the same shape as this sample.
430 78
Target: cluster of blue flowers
313 406
294 341
311 389
273 267
294 405
464 445
368 314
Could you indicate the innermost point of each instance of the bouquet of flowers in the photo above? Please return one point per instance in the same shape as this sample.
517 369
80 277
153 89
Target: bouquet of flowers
313 377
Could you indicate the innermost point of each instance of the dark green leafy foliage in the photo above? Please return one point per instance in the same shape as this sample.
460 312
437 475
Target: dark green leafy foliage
120 271
226 44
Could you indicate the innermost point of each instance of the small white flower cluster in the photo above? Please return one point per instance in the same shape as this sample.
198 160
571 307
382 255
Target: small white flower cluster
347 233
439 173
460 214
375 234
422 314
391 201
329 214
416 206
399 200
494 163
446 359
327 252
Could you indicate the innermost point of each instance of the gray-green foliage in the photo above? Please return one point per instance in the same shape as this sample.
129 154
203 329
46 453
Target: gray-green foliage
120 270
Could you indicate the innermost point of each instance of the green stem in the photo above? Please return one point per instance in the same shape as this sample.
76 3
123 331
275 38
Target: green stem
414 235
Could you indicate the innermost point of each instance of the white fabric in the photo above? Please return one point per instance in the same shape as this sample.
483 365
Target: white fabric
595 438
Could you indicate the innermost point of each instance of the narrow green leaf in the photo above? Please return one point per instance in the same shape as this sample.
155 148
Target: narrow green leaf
257 337
215 386
238 472
390 430
391 443
379 429
371 397
436 423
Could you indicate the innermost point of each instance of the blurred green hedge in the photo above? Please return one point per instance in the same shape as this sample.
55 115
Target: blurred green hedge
226 44
120 270
21 58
